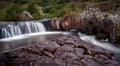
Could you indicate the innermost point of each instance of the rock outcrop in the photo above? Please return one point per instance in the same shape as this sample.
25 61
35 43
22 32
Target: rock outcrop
92 21
61 51
26 16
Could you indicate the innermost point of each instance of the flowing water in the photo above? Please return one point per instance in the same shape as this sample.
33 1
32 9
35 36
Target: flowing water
104 44
16 34
10 43
10 29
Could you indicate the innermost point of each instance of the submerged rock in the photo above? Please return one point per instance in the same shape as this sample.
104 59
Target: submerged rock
69 51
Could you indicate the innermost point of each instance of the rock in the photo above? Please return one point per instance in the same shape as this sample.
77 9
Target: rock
26 16
51 46
59 53
92 22
50 53
67 47
56 24
79 51
90 62
60 61
4 60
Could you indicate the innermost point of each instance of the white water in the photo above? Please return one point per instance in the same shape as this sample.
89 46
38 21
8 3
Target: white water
106 45
24 30
24 36
20 28
41 36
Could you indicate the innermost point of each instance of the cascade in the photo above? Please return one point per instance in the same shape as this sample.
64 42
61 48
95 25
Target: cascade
10 29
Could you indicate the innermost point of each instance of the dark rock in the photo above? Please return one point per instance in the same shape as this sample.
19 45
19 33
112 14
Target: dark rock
60 61
90 62
48 54
67 47
48 64
79 51
4 60
51 46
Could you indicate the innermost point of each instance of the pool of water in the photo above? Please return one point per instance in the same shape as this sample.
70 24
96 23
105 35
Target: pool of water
11 43
7 44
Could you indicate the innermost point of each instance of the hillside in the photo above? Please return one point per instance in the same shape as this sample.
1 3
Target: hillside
12 9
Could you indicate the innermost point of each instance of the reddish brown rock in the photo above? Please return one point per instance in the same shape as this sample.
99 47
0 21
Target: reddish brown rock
67 47
92 22
52 53
80 52
51 46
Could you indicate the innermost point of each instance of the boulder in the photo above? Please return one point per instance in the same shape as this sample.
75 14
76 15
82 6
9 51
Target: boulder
26 16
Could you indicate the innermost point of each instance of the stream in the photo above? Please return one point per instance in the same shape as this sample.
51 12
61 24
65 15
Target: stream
17 34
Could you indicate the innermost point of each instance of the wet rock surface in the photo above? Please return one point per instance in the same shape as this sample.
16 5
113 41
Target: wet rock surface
67 50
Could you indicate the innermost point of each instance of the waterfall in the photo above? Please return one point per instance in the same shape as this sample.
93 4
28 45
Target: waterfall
17 28
5 33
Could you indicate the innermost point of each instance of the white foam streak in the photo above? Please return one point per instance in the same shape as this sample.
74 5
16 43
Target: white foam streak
106 45
27 36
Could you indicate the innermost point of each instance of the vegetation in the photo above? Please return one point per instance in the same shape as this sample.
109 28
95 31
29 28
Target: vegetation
11 12
12 9
50 8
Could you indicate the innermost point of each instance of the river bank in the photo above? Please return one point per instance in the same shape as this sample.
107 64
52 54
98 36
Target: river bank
66 50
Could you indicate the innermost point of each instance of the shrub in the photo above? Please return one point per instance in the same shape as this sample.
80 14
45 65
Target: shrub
31 9
11 12
55 13
21 1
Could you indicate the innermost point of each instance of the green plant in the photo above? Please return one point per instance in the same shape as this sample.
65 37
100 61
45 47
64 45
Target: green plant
11 12
21 1
31 9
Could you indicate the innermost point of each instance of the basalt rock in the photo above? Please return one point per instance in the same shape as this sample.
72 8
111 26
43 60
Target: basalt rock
67 54
92 22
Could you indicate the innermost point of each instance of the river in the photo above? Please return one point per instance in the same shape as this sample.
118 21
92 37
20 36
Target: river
15 35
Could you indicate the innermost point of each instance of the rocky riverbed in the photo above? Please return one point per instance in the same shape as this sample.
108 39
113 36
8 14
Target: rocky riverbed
66 50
